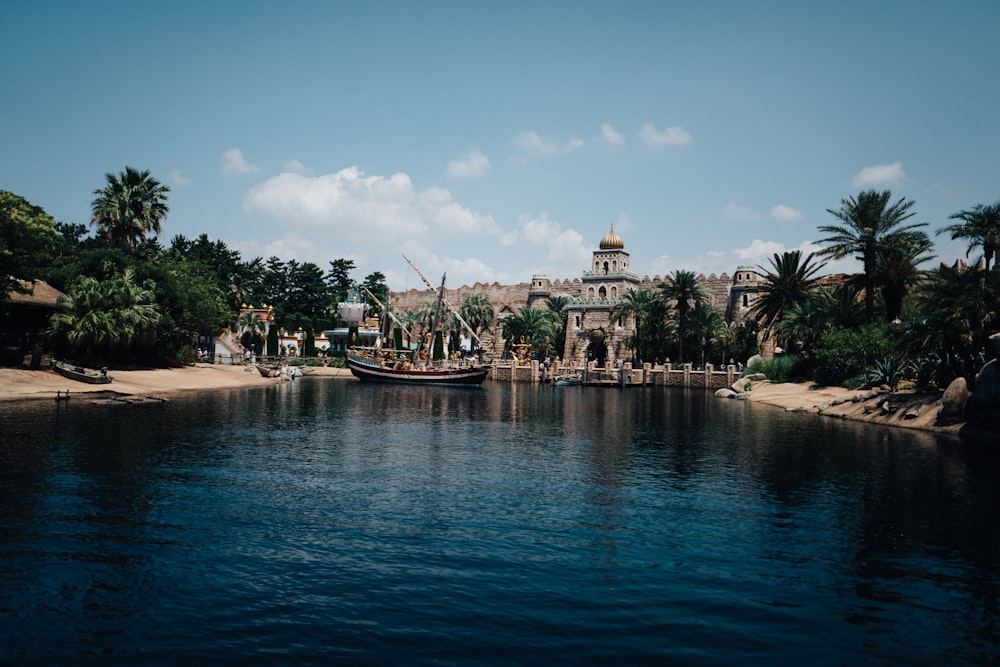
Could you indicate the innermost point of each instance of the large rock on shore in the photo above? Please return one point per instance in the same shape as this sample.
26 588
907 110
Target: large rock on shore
953 402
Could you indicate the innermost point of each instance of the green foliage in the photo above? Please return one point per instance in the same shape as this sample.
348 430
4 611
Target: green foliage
105 320
885 371
842 355
781 368
438 353
27 238
790 283
129 207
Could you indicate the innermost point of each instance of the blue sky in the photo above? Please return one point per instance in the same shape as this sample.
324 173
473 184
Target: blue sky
498 140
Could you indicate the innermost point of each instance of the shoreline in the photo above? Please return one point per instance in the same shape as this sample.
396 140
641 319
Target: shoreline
910 411
26 385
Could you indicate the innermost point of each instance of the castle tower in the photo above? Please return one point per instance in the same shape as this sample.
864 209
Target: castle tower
541 289
743 294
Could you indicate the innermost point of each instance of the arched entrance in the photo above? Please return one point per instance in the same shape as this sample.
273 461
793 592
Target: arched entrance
597 350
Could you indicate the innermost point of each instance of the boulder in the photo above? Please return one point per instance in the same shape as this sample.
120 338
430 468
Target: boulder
985 392
741 385
725 393
754 359
756 377
954 400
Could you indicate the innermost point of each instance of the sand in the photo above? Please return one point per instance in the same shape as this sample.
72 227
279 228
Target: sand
17 384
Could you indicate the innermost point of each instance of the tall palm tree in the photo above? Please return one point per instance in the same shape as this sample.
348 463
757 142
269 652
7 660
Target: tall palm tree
788 283
871 223
704 327
477 310
129 208
642 306
556 309
684 290
899 269
980 226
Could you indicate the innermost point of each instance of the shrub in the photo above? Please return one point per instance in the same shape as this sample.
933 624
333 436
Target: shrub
782 368
842 355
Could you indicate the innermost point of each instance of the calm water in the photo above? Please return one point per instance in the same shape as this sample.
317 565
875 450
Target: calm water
327 522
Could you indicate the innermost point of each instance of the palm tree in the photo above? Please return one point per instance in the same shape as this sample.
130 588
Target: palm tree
533 325
685 290
898 269
981 228
556 310
787 284
642 306
477 310
129 207
705 327
871 224
252 329
102 319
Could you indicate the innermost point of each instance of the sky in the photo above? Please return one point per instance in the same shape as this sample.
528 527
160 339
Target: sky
497 140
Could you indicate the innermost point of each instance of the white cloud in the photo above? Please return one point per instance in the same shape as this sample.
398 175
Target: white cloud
879 175
783 213
611 135
297 167
473 164
177 178
551 248
348 203
436 205
359 207
734 211
233 162
535 144
665 138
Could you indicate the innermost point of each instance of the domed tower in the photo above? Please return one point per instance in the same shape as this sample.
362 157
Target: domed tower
611 259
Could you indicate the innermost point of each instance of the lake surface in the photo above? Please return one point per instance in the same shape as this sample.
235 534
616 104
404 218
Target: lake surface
329 522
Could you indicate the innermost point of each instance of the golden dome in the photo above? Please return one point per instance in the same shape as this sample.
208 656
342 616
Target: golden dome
612 241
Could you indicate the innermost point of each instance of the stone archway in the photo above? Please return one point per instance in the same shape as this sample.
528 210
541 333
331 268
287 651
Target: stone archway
597 349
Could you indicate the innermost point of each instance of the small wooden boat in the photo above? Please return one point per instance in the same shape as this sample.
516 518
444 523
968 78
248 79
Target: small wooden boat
81 374
267 371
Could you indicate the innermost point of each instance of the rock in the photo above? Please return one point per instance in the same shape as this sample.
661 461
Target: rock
725 393
754 359
887 408
742 397
986 386
912 413
741 385
994 340
954 400
756 377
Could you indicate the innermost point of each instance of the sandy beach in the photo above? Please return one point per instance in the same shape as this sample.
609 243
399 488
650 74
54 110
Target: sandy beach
18 384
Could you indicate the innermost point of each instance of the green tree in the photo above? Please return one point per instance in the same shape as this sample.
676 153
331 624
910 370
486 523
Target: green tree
899 269
252 329
106 319
129 208
705 328
556 309
684 290
375 283
980 226
788 283
339 279
27 239
871 224
533 324
646 310
477 310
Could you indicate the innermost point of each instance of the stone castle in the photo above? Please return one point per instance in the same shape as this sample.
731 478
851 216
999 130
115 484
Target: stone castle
590 333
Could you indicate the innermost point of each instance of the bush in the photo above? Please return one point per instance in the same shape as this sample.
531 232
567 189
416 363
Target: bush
843 355
782 368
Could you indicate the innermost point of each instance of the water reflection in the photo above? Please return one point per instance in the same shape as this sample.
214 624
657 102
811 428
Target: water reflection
341 520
